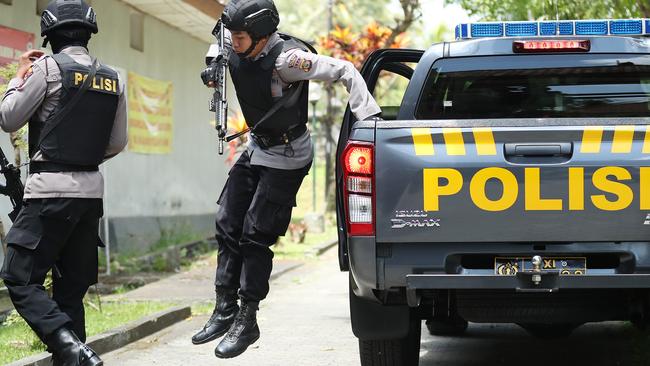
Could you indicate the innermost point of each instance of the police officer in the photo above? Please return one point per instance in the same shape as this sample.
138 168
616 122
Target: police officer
77 118
256 203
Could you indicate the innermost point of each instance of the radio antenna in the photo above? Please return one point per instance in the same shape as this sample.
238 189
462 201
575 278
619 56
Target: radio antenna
557 18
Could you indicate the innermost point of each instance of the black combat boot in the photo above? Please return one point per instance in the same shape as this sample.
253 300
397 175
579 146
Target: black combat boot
225 310
242 333
68 350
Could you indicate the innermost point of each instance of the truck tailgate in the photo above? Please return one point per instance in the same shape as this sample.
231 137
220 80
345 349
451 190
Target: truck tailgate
556 183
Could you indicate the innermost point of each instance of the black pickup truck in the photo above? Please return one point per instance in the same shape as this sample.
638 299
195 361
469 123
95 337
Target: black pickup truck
509 182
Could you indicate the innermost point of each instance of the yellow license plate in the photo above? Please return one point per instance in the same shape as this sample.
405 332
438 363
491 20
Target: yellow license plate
566 266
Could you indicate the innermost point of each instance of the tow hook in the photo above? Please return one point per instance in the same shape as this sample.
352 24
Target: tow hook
536 279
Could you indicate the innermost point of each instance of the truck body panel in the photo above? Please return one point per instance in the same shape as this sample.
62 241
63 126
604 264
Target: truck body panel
512 184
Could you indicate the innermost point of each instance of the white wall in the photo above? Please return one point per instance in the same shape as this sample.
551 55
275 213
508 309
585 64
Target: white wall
185 182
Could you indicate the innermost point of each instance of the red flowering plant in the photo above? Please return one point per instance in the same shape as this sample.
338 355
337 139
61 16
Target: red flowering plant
236 123
345 44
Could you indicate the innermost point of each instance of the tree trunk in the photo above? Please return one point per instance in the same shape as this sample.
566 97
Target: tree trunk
411 9
645 8
329 142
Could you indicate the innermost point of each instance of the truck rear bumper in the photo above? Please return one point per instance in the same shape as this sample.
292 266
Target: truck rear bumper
430 266
522 282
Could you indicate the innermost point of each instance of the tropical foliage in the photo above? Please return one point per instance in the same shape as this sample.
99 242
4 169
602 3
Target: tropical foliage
236 123
6 73
343 43
546 9
18 140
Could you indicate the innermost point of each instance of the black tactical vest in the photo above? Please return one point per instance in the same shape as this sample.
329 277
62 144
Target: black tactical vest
82 137
252 80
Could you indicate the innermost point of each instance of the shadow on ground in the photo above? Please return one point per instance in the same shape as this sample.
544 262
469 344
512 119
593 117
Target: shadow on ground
604 344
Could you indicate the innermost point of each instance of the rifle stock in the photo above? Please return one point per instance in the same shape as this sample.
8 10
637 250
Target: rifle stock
13 187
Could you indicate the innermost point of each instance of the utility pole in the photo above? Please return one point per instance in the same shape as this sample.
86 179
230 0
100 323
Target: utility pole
330 15
329 122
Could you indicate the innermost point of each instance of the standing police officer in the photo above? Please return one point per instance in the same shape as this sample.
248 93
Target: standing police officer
267 69
77 118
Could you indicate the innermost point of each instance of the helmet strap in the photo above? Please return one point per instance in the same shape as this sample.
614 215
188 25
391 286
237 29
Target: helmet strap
250 49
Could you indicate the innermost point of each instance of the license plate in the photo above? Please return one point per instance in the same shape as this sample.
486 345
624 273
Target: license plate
510 266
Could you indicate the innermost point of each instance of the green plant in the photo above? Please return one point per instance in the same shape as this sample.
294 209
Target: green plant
18 138
178 234
17 340
12 318
6 73
160 264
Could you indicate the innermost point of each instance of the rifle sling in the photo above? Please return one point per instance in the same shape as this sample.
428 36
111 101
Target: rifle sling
287 100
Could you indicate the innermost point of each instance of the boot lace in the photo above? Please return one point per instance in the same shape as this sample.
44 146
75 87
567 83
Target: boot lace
239 324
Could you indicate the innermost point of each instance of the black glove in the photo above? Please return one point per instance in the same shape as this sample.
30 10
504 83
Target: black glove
210 74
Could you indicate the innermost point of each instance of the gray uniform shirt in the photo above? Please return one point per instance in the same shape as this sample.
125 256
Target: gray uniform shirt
36 97
296 65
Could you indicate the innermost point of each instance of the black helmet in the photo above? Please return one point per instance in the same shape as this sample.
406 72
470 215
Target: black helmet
68 12
257 17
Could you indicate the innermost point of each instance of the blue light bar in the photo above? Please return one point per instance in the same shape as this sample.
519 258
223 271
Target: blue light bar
522 29
612 27
626 27
551 28
591 28
487 30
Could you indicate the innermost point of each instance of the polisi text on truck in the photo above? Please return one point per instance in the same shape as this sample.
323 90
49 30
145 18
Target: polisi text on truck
614 183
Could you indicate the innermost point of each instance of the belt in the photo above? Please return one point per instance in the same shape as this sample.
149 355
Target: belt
50 167
266 141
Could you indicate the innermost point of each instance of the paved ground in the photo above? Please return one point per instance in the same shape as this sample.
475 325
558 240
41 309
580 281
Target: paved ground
305 323
191 286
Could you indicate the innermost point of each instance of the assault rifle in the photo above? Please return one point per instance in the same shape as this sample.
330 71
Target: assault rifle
13 187
217 61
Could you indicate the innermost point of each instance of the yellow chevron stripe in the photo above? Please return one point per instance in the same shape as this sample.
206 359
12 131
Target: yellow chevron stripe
591 140
422 141
454 141
646 144
623 139
484 141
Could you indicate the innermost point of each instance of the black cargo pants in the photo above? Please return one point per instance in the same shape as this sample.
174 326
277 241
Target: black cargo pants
254 210
49 232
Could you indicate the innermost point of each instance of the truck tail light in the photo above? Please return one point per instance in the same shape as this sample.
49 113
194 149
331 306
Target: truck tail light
557 45
358 188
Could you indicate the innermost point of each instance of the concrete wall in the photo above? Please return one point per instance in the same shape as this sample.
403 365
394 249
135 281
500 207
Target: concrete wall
147 194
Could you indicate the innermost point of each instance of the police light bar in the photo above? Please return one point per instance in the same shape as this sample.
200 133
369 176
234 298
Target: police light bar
605 27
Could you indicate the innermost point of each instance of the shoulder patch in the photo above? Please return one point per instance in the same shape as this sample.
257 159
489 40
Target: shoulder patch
294 61
306 65
301 63
29 73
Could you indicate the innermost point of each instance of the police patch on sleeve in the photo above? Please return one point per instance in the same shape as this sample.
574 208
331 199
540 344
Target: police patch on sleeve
294 61
306 65
300 63
28 74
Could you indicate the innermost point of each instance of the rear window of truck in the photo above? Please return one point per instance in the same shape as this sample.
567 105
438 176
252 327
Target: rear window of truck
539 86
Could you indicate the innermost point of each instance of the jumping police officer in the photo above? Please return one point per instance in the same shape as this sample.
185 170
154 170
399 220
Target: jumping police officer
267 69
77 118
